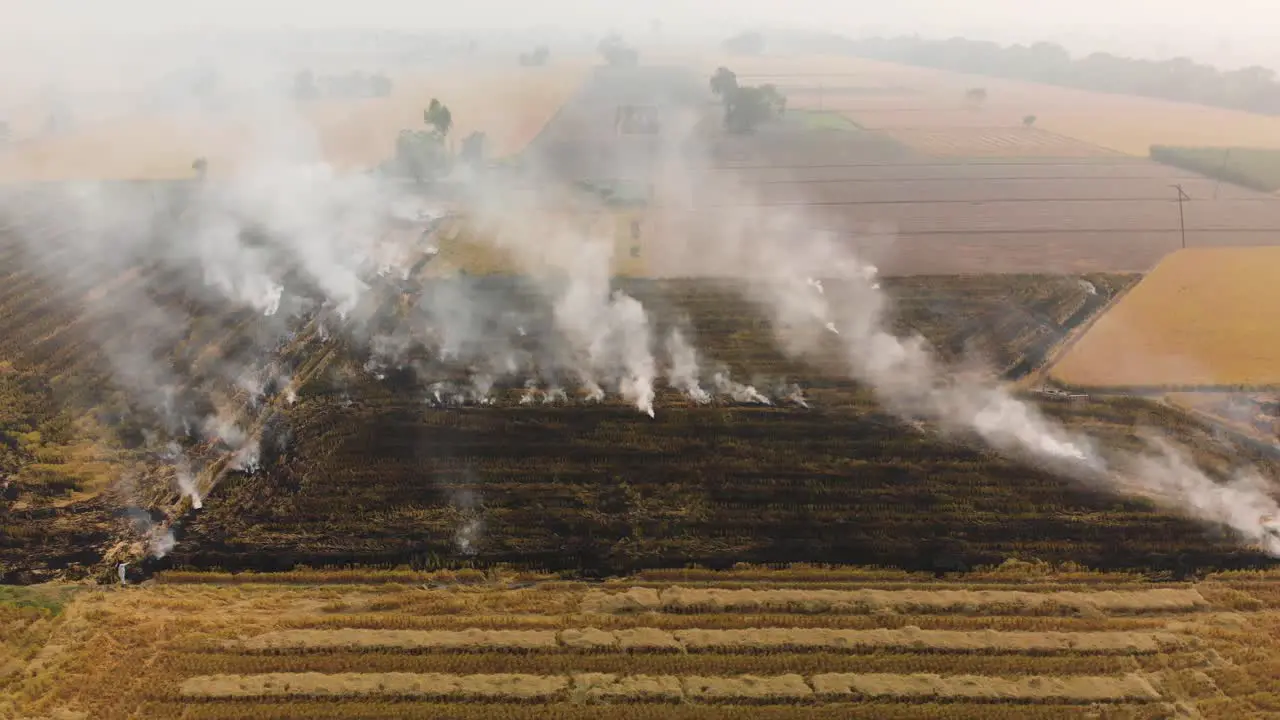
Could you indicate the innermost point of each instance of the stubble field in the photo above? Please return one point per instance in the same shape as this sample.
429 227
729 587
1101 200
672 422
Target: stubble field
1021 641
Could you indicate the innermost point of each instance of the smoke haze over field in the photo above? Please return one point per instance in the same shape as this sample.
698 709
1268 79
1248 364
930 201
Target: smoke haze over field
286 240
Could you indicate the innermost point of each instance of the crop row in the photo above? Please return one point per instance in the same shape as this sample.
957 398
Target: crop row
712 600
396 614
642 639
184 664
603 687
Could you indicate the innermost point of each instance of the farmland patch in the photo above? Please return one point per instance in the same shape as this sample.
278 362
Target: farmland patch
1027 142
1255 168
122 653
1200 320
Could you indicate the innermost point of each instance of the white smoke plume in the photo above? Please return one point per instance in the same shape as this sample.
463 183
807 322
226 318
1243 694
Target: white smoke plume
608 331
158 540
736 391
683 367
1165 474
471 528
184 476
162 542
530 393
794 394
910 380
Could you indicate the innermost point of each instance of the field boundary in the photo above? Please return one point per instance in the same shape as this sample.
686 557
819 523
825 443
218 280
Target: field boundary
1044 373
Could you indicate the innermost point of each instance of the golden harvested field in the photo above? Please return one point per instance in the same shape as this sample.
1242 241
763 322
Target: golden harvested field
1018 641
1203 318
510 105
934 98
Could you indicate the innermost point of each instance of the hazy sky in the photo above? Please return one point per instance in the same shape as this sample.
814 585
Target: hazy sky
1226 29
162 14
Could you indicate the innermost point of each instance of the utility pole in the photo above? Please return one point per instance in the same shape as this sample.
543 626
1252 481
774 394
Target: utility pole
1182 223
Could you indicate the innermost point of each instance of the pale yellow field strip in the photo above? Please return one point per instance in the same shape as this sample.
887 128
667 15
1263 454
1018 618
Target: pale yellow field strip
700 640
599 687
405 639
976 687
503 686
710 600
1203 318
751 688
607 687
915 638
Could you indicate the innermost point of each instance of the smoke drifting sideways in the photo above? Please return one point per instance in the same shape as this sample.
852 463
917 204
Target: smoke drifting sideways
285 249
786 263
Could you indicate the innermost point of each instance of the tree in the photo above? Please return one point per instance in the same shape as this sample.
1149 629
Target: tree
723 83
977 96
746 108
201 166
421 155
438 117
776 101
1028 121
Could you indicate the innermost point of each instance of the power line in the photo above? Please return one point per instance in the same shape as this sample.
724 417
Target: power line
958 179
967 163
909 233
957 201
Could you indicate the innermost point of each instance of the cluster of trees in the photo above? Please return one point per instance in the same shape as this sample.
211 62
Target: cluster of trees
424 154
618 53
745 106
539 56
351 85
1253 88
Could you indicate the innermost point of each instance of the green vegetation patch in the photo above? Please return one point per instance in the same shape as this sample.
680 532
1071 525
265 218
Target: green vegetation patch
1255 168
49 598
